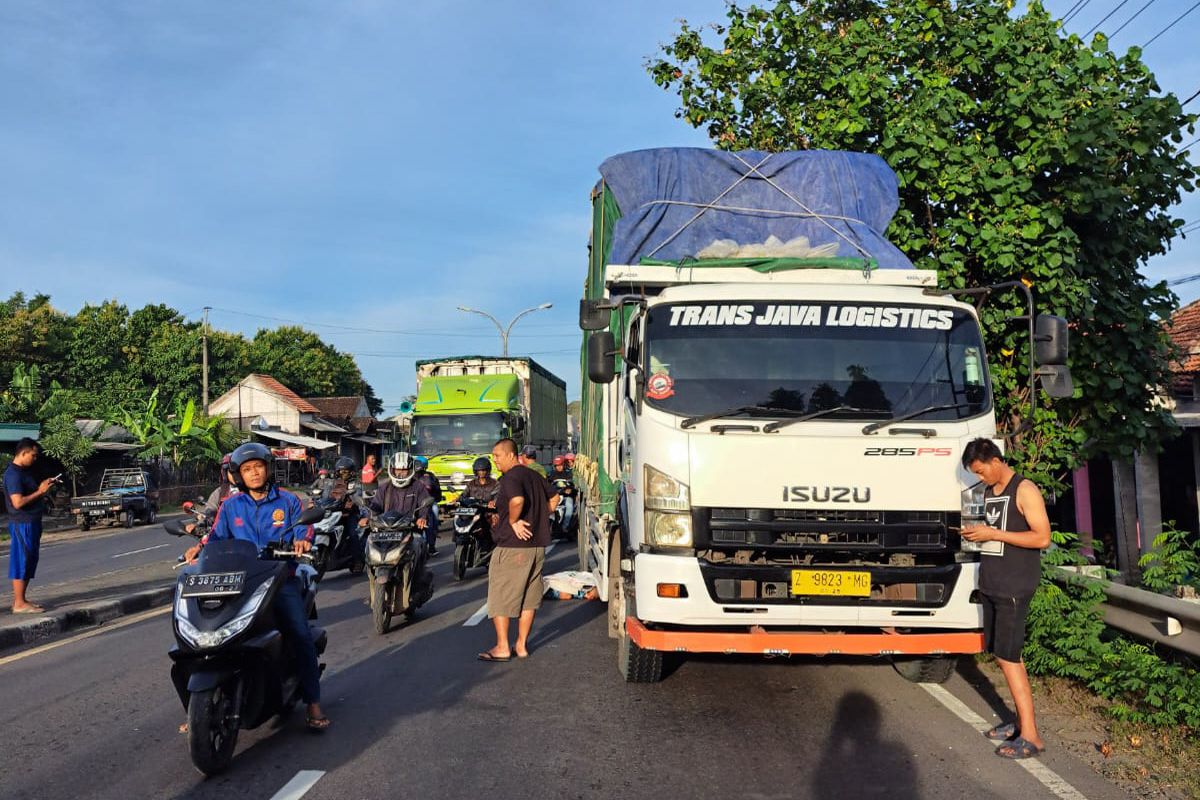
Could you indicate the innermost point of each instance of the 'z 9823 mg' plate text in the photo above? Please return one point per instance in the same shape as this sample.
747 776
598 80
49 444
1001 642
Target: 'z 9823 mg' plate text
836 583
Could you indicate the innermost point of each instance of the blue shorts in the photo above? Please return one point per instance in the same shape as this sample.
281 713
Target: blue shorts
24 549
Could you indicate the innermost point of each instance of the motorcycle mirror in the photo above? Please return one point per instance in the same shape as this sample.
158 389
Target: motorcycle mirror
175 527
426 503
311 515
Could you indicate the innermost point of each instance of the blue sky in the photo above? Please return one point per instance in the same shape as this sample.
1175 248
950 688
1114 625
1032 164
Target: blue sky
359 164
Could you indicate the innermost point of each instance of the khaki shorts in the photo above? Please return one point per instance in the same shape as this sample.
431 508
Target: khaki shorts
515 580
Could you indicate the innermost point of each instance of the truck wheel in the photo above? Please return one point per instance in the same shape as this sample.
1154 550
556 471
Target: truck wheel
926 670
151 515
638 665
616 589
128 519
84 524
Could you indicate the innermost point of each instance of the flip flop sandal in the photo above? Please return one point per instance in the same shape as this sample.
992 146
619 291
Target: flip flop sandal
29 610
1019 748
317 723
1003 732
494 659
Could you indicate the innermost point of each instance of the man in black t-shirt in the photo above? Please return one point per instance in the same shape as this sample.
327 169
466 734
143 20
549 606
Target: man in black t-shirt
522 532
1016 517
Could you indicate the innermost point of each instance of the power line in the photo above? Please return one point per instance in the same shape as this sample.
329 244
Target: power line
1172 25
1184 279
1071 12
1081 6
1189 144
1106 16
1137 14
1190 99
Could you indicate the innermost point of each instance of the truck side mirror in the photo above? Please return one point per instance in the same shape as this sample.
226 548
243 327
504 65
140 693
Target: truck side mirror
601 347
1056 380
594 315
1051 340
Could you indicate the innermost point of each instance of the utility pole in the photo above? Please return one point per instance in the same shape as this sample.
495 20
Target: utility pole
204 357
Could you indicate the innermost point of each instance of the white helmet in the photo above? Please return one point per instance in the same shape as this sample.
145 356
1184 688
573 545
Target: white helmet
401 469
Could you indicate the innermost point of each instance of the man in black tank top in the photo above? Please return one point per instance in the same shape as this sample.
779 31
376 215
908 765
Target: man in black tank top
1016 517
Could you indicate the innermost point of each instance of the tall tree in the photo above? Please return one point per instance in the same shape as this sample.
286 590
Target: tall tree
308 366
1021 153
32 332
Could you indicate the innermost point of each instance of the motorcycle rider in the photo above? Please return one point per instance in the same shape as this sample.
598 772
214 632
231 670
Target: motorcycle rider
560 472
483 486
434 487
259 513
347 498
401 492
220 494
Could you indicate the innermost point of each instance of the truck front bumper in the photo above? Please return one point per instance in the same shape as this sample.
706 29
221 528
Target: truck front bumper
760 641
699 610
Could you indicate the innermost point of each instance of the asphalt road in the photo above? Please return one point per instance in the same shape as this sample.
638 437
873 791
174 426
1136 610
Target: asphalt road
86 555
416 715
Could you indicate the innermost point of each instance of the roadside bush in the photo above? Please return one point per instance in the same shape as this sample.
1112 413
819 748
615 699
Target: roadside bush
1173 561
1067 637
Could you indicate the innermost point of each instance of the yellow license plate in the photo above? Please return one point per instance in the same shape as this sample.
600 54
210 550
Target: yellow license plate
831 582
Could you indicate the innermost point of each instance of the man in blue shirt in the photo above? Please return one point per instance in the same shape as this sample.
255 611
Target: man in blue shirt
23 501
260 513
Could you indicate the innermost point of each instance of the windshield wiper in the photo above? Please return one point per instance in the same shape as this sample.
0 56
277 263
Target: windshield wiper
771 427
691 422
876 426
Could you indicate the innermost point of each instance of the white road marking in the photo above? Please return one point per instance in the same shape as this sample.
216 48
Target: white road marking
1048 777
143 550
477 617
297 787
132 620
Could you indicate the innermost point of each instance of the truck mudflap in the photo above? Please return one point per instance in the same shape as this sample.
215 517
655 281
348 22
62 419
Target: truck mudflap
757 640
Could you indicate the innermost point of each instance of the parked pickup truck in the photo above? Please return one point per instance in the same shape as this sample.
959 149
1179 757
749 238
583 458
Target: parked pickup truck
126 496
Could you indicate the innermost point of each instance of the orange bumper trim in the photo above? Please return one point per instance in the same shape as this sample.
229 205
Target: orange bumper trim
760 641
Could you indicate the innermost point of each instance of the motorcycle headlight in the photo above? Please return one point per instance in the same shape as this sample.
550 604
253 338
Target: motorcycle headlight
668 529
208 639
664 493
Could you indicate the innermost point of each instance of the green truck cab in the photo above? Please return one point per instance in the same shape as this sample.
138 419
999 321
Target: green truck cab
465 404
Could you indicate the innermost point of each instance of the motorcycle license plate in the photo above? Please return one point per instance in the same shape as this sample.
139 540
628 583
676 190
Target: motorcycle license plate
831 583
213 584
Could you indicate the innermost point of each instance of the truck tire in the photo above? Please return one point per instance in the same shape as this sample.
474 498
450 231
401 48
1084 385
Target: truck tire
84 524
151 515
637 665
616 588
936 669
128 518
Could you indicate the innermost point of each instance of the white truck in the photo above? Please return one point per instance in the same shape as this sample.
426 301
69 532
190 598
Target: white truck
771 443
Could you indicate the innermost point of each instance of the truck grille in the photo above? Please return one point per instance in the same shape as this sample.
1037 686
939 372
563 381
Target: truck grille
834 529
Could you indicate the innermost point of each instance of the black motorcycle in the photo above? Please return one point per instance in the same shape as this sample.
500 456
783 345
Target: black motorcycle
473 543
232 669
400 582
335 541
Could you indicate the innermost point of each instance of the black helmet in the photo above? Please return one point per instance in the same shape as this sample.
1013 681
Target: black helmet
480 464
345 462
250 451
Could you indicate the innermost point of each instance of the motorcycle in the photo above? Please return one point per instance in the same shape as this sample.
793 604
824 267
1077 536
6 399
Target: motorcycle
335 545
399 580
230 665
559 529
473 543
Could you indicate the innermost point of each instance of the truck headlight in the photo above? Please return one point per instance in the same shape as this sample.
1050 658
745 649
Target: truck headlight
664 493
668 529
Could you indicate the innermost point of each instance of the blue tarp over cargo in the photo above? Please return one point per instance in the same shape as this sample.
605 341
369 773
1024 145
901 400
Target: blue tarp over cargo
836 198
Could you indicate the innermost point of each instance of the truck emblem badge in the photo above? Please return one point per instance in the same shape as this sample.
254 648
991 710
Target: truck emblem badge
826 494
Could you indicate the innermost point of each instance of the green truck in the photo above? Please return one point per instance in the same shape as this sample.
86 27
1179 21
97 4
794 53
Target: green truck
465 403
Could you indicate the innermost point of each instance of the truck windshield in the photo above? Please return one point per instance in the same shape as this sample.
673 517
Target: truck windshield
456 433
877 360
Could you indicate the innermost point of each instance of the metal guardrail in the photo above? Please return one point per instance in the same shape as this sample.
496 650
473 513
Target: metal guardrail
1157 618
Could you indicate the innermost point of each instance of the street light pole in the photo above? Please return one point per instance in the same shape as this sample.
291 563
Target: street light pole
504 332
